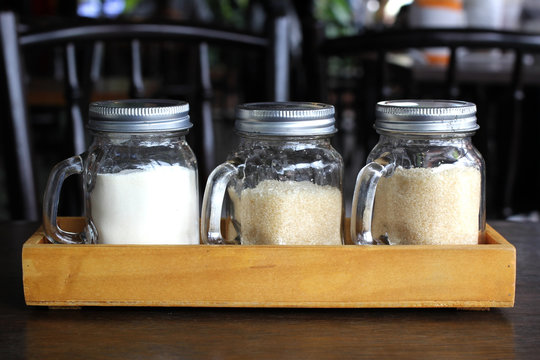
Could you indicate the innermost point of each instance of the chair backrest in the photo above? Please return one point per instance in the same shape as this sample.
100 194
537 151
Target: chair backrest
382 77
84 47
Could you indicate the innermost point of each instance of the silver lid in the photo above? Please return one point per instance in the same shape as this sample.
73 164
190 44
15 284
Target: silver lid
286 118
139 116
426 116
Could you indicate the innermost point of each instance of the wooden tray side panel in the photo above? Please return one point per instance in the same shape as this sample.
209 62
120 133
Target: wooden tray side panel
268 276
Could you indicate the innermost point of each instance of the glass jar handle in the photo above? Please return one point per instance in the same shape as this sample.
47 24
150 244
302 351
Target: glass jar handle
65 168
213 203
364 194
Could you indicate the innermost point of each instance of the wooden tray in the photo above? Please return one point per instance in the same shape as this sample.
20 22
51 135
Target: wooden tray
349 276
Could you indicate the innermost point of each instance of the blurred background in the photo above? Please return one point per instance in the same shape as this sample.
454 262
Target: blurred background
351 78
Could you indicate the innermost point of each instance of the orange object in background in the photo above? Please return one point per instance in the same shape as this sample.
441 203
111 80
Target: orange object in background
437 14
448 4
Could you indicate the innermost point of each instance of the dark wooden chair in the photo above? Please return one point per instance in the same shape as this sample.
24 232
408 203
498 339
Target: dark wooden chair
84 47
500 93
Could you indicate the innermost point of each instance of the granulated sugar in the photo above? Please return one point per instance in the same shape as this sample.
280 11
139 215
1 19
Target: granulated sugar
153 206
429 206
289 213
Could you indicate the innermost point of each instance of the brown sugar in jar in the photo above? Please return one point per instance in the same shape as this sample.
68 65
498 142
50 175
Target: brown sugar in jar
424 180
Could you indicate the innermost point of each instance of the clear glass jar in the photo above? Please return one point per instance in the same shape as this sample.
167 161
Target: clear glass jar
139 177
424 181
283 184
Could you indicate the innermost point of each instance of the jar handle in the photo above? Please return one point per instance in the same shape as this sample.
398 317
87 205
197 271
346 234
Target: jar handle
364 196
65 168
212 204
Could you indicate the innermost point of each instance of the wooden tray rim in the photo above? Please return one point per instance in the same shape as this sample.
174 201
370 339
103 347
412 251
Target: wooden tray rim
494 241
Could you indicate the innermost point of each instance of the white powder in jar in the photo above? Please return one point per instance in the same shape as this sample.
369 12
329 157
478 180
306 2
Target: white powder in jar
429 206
289 213
158 205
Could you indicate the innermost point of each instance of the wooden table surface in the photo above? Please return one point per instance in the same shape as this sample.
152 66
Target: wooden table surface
213 333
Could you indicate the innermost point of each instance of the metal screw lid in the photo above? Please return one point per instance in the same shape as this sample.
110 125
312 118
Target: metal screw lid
286 118
139 116
426 116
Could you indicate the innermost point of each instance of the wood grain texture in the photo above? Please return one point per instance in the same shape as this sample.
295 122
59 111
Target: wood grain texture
462 276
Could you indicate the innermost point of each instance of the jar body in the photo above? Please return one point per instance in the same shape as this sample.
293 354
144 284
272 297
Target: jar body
285 191
432 191
141 189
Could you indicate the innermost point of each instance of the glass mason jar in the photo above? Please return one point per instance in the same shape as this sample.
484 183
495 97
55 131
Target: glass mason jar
424 181
139 177
283 184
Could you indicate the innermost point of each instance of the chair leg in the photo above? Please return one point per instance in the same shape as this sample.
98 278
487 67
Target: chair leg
136 87
279 58
20 176
515 141
207 140
74 95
